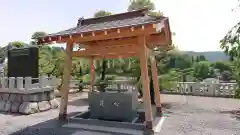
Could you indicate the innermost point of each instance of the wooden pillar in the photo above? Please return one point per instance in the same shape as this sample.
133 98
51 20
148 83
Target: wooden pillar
145 82
66 78
156 85
92 75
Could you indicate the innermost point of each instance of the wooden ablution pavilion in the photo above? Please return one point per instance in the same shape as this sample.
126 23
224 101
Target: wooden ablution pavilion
129 34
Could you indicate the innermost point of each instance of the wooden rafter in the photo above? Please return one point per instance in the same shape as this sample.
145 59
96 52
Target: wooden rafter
114 33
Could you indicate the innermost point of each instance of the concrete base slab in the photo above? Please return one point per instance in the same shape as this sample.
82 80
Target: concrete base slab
158 124
89 133
82 121
110 130
83 118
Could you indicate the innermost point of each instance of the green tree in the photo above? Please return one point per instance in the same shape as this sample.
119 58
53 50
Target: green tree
202 58
3 51
231 46
148 4
197 59
38 34
222 66
185 74
16 44
236 76
51 60
168 80
102 13
202 70
193 60
231 43
35 35
178 60
226 76
140 4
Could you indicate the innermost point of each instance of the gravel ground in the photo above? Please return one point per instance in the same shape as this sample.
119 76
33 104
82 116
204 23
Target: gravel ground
10 123
190 115
185 115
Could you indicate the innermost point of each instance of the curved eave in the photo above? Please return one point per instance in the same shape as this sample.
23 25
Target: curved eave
158 26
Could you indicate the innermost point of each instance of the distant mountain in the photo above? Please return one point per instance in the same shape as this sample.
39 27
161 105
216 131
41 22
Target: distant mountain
212 56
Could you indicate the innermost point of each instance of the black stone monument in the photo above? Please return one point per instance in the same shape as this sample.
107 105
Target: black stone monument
23 62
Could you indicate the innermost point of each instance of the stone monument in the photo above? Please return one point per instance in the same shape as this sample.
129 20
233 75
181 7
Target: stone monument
23 62
24 91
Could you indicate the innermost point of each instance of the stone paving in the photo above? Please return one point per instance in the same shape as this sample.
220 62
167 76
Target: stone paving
185 115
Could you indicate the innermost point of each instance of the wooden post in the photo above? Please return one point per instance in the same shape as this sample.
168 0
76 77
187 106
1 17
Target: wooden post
156 86
92 76
66 78
145 82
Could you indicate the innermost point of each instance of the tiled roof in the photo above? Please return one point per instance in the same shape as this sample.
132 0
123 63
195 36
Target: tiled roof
113 21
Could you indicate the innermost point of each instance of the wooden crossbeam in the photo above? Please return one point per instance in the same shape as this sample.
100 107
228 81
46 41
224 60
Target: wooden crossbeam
151 40
112 42
116 56
109 56
106 50
113 48
157 40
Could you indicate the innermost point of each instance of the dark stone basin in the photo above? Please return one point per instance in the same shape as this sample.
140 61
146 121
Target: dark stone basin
118 105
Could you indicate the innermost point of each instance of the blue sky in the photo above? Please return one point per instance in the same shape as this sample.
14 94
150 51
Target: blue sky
199 24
